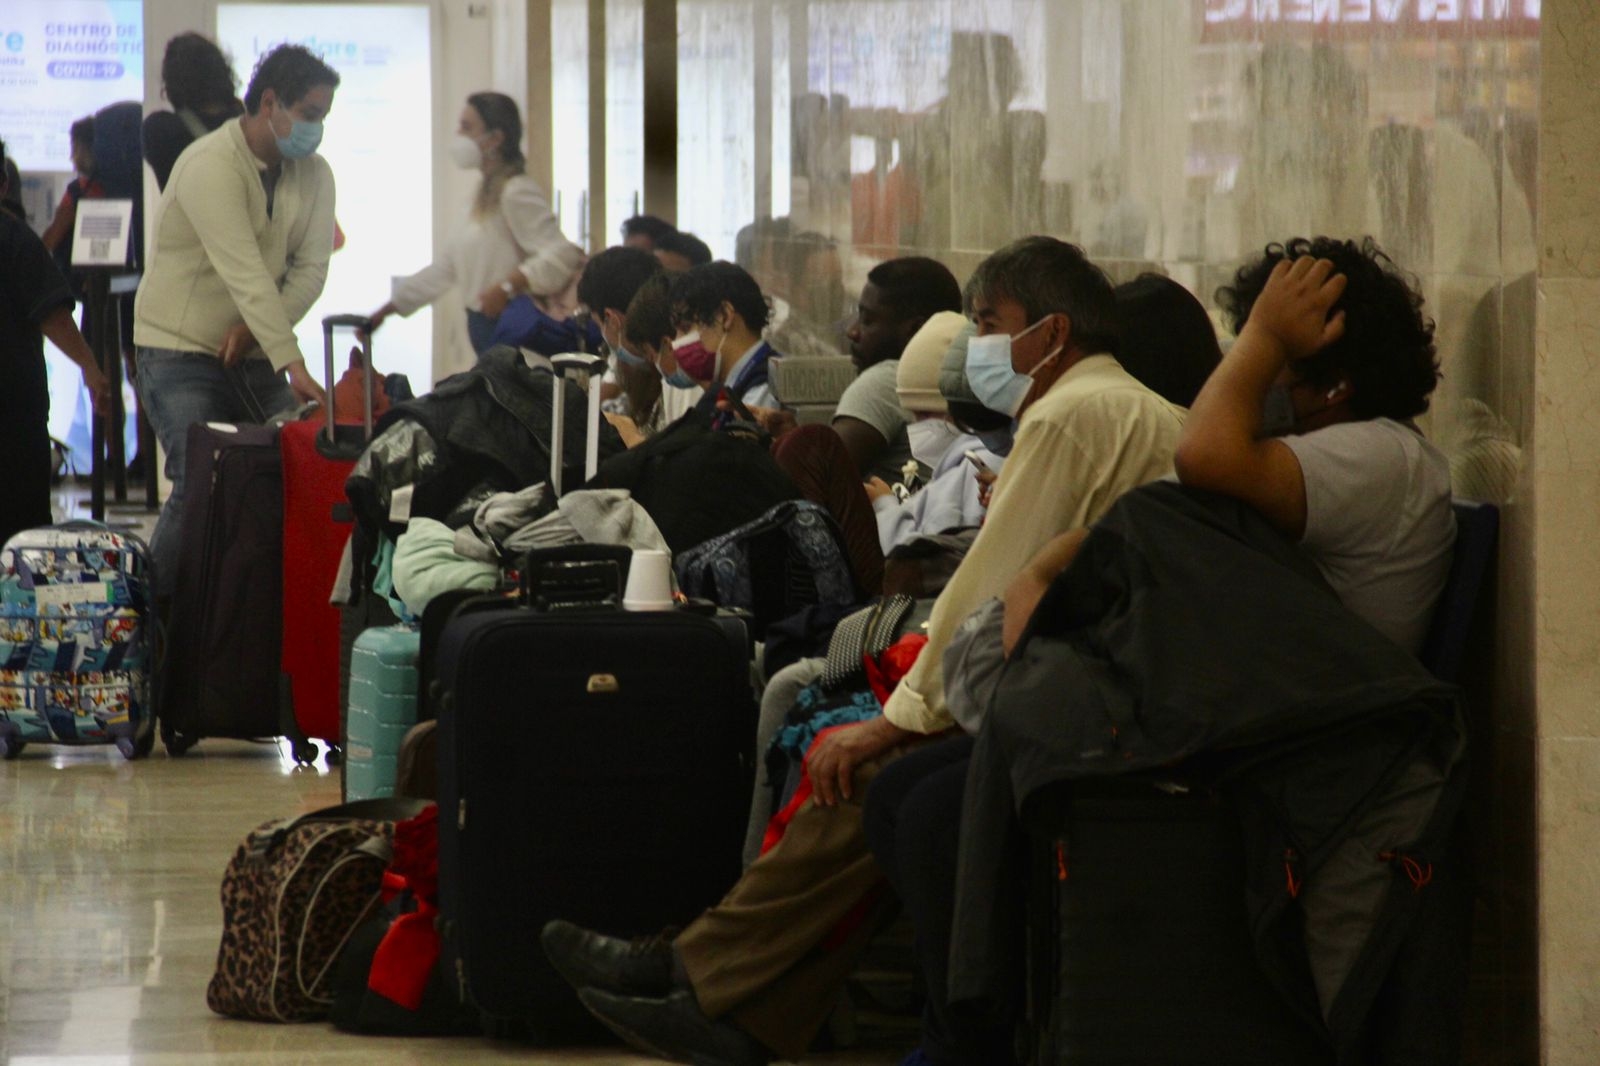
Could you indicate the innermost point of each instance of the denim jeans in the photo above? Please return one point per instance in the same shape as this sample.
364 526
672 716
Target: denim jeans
177 389
480 328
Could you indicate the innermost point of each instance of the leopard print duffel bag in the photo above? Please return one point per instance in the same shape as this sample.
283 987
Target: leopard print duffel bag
294 892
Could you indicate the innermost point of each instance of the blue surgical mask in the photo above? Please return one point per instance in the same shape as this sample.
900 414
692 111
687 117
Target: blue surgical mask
1277 411
998 441
996 385
303 139
625 357
679 379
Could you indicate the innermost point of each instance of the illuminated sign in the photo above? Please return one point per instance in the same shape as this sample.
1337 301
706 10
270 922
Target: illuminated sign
59 61
1401 18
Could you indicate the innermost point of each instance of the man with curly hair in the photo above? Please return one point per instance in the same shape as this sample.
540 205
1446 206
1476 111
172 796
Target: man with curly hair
1309 420
719 312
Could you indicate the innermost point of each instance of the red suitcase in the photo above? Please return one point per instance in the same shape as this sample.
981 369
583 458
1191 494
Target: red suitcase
318 456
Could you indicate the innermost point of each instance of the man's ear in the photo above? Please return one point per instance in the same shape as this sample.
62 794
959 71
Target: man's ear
910 326
1060 328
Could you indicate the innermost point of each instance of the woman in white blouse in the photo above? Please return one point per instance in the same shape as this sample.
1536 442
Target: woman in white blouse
511 243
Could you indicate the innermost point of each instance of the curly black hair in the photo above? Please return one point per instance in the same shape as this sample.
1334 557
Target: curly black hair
196 74
698 295
1386 354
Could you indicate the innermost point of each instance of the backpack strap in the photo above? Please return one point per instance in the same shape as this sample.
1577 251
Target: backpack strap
192 122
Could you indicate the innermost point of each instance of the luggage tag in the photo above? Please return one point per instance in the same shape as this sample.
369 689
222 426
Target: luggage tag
400 504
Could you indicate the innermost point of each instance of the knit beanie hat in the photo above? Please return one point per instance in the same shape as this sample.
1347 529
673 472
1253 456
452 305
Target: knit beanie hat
953 372
917 379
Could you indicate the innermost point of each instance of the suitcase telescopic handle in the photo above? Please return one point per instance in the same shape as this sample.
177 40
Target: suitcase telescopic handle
362 325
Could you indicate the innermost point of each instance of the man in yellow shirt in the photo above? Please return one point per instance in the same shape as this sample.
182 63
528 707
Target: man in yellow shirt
242 239
755 976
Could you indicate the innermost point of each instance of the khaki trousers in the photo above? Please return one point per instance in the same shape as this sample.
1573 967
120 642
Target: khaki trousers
764 958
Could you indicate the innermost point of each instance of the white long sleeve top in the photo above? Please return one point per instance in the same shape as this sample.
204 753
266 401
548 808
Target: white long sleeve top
522 235
948 501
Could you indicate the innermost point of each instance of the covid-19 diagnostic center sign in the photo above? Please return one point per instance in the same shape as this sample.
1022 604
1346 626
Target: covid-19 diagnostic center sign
61 60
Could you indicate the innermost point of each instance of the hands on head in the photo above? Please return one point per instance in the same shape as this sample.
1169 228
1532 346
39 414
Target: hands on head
1292 312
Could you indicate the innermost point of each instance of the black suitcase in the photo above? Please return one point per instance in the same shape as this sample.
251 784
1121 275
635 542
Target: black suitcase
594 766
1138 939
225 634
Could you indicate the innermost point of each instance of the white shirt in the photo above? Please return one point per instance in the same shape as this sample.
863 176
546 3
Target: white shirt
758 395
676 402
521 235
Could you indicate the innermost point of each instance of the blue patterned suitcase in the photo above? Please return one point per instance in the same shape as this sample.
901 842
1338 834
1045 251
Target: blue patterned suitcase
76 649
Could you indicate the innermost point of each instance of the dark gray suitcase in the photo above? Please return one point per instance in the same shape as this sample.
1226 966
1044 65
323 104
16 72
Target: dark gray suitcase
225 634
594 766
1138 937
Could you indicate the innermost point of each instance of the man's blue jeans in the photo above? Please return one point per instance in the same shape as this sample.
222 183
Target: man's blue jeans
177 389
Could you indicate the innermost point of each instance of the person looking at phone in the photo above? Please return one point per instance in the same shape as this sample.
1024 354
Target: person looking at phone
719 311
1308 419
755 977
951 498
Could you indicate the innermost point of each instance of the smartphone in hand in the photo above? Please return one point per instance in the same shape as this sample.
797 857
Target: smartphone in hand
973 458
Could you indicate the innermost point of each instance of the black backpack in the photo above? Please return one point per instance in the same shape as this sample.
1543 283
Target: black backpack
698 482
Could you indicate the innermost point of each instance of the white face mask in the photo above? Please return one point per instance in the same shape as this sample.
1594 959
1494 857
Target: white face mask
464 151
930 439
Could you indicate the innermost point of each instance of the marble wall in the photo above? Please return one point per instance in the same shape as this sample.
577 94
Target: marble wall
1181 136
1565 568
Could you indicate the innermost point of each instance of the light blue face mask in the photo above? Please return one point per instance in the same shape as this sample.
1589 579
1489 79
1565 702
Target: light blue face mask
627 358
679 379
999 440
996 385
303 139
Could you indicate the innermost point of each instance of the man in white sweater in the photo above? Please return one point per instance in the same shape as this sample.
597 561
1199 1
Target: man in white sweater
242 239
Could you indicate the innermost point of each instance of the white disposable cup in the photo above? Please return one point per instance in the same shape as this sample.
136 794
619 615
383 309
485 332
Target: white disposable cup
649 582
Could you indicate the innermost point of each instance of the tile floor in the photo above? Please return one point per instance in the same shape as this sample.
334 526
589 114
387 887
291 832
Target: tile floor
109 910
109 914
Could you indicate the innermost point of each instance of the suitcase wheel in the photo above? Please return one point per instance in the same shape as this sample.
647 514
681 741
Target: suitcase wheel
137 747
176 743
10 743
305 752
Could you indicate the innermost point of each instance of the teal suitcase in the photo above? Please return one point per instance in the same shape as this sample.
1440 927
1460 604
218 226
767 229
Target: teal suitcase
382 707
